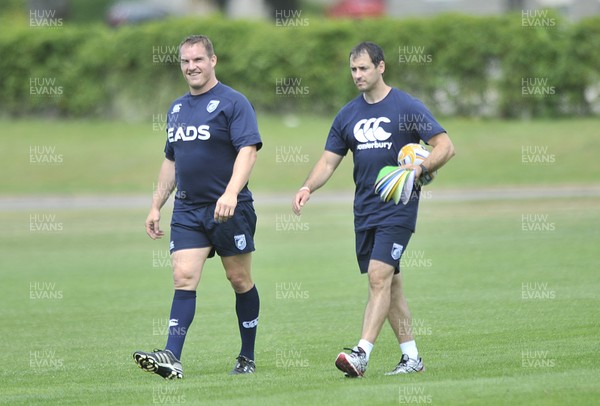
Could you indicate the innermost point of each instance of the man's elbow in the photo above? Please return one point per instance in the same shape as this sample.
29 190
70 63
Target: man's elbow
253 155
449 147
250 152
451 150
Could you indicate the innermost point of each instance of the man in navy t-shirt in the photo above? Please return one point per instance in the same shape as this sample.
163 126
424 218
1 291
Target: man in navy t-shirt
375 126
212 140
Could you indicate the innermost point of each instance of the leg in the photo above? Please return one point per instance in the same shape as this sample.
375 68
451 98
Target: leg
399 315
373 252
401 321
378 306
187 269
238 271
247 306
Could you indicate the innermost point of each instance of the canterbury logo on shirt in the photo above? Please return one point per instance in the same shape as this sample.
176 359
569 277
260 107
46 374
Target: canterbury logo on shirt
370 133
189 133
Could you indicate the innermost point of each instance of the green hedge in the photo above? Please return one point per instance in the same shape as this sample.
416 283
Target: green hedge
469 66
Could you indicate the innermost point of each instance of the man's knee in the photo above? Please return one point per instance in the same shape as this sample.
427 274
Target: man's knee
241 282
237 270
182 277
380 275
187 267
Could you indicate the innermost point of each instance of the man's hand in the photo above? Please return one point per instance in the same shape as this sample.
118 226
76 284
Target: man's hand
300 200
319 175
152 224
417 168
225 207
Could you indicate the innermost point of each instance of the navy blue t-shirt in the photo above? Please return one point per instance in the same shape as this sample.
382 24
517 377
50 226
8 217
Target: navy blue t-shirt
204 134
375 133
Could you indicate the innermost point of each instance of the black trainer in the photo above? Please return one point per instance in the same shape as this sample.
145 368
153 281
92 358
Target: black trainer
161 362
243 366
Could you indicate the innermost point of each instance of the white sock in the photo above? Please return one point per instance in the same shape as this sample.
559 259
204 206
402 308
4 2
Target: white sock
367 346
410 348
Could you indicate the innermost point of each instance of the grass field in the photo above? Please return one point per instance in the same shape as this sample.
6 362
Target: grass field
504 293
106 157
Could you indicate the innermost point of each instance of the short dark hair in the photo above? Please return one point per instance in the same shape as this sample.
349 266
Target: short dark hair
199 39
373 50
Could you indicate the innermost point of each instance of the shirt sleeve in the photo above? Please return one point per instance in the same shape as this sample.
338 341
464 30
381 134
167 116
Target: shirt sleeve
169 150
428 125
336 142
243 127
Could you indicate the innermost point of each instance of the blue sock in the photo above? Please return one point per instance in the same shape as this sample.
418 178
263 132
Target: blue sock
247 306
182 314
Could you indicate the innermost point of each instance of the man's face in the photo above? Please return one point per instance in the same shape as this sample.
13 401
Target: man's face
364 73
197 66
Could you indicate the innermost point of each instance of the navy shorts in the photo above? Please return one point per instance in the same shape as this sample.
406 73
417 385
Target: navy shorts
383 243
197 228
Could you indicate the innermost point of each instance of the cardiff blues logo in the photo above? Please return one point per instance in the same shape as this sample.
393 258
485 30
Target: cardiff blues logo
397 251
212 105
240 241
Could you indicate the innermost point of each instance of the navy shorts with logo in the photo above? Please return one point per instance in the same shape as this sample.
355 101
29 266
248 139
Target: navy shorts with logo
197 228
383 243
